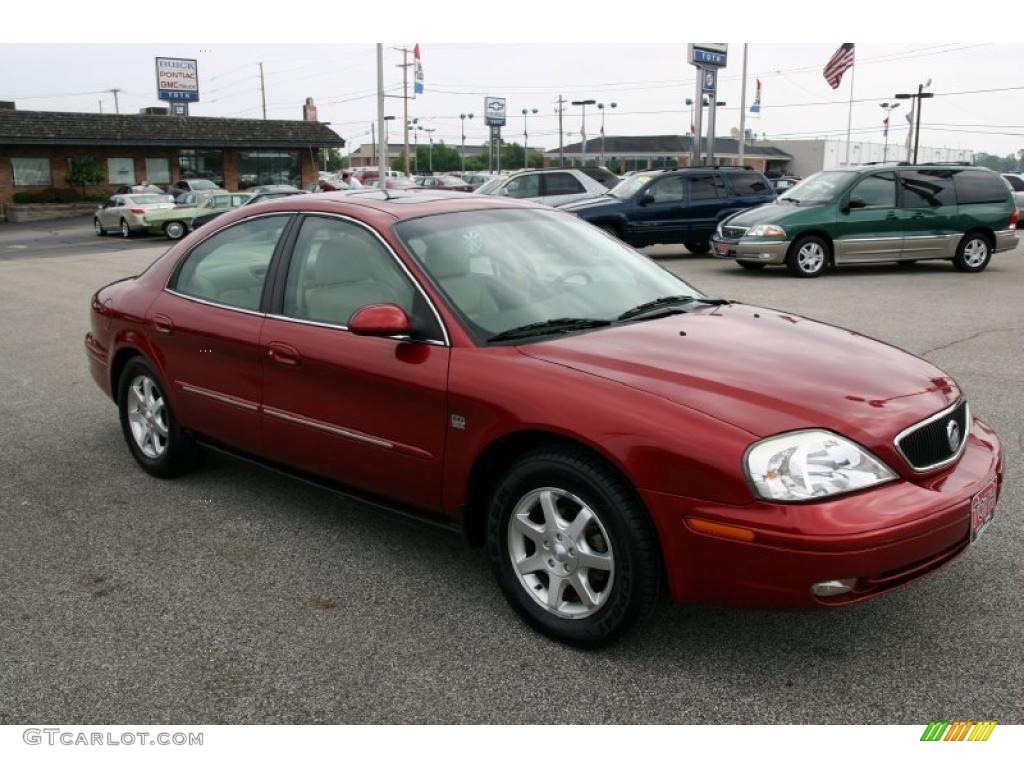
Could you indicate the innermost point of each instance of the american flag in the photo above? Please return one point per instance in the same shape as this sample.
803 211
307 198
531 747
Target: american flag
841 61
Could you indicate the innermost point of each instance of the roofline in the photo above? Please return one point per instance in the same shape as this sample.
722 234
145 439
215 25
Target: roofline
234 144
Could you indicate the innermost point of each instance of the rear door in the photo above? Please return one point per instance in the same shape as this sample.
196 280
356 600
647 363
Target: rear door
928 210
749 189
870 225
706 199
561 187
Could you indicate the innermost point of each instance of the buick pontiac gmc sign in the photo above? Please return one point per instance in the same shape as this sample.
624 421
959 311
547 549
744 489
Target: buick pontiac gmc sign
177 79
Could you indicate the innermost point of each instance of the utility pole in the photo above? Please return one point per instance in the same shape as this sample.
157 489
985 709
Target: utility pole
263 92
561 153
582 103
382 156
117 108
917 99
373 144
405 100
743 111
101 106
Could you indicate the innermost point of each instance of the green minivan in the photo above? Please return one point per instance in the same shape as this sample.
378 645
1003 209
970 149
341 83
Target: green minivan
902 213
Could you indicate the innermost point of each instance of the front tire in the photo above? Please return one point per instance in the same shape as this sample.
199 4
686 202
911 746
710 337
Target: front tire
100 231
572 547
973 254
154 438
610 229
175 230
808 257
698 247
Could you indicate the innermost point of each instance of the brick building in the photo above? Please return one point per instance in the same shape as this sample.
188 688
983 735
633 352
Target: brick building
37 148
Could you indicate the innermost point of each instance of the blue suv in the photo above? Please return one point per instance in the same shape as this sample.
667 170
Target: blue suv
675 206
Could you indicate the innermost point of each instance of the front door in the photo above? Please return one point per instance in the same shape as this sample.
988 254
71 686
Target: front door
659 215
207 329
869 225
367 412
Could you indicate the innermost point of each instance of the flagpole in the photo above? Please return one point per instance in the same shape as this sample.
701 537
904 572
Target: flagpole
743 109
849 114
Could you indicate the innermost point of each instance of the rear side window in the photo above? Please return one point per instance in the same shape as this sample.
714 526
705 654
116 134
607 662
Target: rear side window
706 187
927 188
603 175
746 184
231 266
562 184
973 187
1015 182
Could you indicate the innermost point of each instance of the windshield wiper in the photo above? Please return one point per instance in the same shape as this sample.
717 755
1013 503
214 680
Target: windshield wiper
668 301
792 200
554 325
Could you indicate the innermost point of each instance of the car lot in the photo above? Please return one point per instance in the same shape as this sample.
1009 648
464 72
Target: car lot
234 595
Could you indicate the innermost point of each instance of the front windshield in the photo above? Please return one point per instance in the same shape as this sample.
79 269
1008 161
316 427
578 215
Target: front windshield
503 269
820 187
628 187
149 199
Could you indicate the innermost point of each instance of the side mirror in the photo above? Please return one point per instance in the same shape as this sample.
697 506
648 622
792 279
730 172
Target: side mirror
854 202
380 320
646 199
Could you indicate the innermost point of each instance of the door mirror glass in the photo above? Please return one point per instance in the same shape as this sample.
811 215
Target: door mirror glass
646 198
856 202
380 320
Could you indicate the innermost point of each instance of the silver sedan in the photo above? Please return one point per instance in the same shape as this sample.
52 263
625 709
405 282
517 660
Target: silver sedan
126 213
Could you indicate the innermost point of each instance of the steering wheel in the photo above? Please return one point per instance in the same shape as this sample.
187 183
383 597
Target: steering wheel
568 275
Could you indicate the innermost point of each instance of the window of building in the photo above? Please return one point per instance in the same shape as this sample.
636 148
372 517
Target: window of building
31 171
158 170
69 164
120 170
876 191
202 164
927 189
268 167
980 187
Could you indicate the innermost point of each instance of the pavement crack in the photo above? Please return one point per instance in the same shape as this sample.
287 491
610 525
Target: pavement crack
972 337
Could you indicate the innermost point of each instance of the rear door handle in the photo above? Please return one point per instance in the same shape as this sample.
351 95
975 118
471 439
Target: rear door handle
283 353
163 324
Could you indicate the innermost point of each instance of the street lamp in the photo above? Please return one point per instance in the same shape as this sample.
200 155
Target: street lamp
888 111
611 105
430 152
583 127
414 126
919 96
387 143
526 146
463 117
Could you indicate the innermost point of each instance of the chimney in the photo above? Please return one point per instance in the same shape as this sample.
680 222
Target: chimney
309 111
7 105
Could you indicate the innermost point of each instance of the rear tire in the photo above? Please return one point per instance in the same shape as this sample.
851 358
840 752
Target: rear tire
610 229
154 438
562 519
753 266
698 247
175 230
808 257
973 254
125 231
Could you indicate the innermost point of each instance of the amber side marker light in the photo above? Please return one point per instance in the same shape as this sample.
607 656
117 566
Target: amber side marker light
719 529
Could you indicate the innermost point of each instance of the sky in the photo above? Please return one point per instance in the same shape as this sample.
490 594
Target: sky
648 82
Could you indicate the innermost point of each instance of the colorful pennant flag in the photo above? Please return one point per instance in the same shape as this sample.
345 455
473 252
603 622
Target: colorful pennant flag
417 70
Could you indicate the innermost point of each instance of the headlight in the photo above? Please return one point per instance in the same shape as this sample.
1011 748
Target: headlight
766 230
812 464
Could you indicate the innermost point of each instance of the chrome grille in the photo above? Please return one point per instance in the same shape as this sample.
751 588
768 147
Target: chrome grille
733 233
926 445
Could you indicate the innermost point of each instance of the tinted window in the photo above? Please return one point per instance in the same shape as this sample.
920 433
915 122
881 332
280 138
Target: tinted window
1016 183
707 187
603 175
667 190
927 188
338 267
980 187
562 184
876 191
522 186
231 266
744 184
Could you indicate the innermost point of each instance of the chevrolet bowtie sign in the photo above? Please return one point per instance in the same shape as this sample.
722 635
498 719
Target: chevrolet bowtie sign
494 110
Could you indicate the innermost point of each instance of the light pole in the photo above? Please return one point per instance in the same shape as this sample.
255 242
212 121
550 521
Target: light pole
430 152
919 97
387 141
526 146
462 118
583 127
611 105
414 126
888 110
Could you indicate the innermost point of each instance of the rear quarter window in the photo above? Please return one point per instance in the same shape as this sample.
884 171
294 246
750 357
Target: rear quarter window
1015 182
927 188
975 187
747 184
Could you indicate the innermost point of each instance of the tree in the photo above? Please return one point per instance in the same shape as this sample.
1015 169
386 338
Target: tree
83 172
335 161
1009 163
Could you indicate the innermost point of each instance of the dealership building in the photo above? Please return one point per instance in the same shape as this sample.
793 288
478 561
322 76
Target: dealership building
38 148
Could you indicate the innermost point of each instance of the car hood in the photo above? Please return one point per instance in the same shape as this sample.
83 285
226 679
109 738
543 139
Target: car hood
764 371
601 202
770 213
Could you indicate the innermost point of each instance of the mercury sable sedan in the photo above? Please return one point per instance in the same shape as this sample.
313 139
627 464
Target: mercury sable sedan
511 372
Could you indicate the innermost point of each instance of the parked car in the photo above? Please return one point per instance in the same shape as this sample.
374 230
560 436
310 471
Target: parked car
551 186
1016 182
127 213
177 222
784 183
511 373
141 189
193 199
272 193
449 183
475 179
184 186
676 206
393 182
875 213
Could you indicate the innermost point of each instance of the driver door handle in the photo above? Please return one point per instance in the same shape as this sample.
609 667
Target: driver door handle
283 354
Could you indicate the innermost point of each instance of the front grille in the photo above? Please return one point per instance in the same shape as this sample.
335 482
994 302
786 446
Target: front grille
927 445
733 233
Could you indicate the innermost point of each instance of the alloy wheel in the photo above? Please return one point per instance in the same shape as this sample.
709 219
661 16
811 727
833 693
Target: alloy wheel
561 553
97 226
175 230
147 417
975 252
810 257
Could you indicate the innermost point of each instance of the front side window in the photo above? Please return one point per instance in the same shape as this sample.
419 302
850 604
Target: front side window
667 190
120 170
338 267
706 187
522 186
503 269
31 171
231 266
927 188
875 191
980 187
562 184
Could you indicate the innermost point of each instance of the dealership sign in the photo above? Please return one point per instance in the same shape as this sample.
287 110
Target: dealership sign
494 110
177 79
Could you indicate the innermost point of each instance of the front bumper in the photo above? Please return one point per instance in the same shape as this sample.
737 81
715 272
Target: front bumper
885 537
763 251
1006 240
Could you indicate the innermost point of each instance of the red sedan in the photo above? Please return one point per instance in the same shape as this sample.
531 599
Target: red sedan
506 370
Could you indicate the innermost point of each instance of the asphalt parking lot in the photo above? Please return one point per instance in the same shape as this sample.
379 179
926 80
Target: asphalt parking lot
237 596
